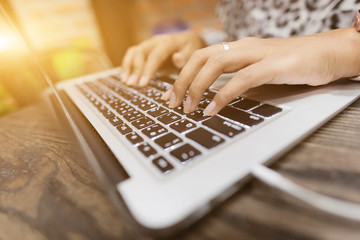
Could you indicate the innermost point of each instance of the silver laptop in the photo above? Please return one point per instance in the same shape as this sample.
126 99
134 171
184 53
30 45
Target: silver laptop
180 166
169 169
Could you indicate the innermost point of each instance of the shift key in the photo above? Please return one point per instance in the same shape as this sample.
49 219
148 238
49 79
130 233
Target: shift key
240 116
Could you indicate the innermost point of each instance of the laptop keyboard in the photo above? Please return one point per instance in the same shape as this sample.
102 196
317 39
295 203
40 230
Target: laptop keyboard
168 138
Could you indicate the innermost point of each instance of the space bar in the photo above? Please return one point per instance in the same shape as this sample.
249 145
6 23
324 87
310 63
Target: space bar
240 116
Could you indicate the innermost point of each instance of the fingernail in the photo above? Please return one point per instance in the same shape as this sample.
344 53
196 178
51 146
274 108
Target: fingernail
131 81
172 100
208 111
187 105
143 81
166 95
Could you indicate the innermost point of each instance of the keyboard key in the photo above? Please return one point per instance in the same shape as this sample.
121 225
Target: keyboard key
131 116
123 128
205 138
165 104
153 94
166 80
97 103
266 110
147 105
246 104
168 140
169 118
125 109
209 94
162 86
203 104
108 114
138 100
179 109
223 126
134 138
240 116
154 131
142 123
102 108
155 112
115 121
146 149
117 104
185 153
183 125
236 100
198 116
162 164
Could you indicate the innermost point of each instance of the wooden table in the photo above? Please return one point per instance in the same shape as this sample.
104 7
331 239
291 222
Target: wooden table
48 191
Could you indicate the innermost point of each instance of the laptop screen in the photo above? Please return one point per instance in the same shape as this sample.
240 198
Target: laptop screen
14 39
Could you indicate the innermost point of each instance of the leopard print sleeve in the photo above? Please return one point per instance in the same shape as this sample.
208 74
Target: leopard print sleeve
283 18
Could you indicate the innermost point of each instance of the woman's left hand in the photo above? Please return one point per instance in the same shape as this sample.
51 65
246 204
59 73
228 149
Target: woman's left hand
314 60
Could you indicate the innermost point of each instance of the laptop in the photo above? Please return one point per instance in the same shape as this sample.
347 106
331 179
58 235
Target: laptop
180 166
169 168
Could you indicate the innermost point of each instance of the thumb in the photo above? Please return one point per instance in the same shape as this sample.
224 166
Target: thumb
180 58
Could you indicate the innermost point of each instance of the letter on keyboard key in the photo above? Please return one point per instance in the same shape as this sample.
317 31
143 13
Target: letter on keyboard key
185 153
169 118
146 149
197 115
131 116
108 114
102 108
155 112
240 116
115 121
123 128
205 138
154 130
168 140
183 125
162 164
223 126
142 123
134 138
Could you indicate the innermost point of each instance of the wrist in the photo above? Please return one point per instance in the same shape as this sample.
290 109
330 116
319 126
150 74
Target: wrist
345 45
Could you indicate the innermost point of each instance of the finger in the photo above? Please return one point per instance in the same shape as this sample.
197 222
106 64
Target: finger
180 58
222 62
166 95
207 76
252 76
187 75
153 62
126 64
138 62
129 58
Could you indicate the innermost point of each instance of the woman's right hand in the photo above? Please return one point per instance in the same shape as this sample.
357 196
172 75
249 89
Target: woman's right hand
143 60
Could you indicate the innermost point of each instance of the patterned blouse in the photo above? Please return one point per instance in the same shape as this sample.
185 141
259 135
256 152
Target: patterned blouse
283 18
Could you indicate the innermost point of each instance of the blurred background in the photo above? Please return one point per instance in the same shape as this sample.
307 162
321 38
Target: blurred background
73 38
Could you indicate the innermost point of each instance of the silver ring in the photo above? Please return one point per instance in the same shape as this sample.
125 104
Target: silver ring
225 45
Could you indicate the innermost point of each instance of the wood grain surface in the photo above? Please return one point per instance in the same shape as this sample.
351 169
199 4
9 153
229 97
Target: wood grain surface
48 191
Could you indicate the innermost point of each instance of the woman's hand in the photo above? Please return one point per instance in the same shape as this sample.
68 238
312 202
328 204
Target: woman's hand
143 60
314 60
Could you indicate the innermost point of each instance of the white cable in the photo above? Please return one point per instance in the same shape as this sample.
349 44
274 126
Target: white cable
327 204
